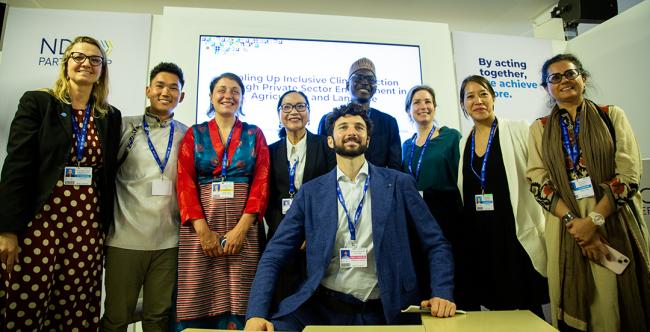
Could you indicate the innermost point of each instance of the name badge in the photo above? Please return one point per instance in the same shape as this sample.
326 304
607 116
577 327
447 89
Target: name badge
161 187
286 204
582 187
78 176
484 202
224 189
353 257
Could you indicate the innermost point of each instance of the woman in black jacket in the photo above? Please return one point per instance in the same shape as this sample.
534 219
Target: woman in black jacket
296 158
57 189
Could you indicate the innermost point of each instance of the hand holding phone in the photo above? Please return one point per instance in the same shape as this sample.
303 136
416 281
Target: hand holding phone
617 263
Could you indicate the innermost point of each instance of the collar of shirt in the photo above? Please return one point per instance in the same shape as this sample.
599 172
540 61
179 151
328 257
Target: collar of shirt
154 120
301 149
361 176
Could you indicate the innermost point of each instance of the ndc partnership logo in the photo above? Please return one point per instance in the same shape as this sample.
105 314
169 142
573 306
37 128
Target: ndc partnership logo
52 50
107 45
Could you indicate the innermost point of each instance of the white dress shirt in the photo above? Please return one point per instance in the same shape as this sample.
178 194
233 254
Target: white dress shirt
144 221
297 152
358 282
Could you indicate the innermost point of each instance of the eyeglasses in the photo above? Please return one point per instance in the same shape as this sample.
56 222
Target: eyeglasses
300 107
95 60
368 78
556 78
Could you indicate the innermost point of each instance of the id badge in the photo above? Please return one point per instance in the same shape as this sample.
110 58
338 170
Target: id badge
225 189
353 257
78 176
484 202
286 204
582 188
161 187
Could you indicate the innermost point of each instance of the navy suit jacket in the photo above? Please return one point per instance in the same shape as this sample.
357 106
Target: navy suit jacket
314 216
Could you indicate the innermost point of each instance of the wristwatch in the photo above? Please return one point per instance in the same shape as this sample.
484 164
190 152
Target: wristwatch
597 218
567 217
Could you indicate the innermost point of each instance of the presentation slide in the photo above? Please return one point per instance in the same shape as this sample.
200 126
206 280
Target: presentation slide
271 66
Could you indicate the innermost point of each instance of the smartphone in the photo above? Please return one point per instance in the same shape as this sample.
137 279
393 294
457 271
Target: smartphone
617 264
222 241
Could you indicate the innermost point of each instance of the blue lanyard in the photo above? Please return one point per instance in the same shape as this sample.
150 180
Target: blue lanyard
161 164
483 176
292 178
572 149
81 133
357 214
224 160
424 147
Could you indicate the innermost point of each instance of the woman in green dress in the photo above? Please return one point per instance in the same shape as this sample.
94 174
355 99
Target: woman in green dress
431 156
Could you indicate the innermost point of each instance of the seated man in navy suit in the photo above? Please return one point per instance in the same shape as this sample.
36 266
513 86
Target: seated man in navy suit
359 266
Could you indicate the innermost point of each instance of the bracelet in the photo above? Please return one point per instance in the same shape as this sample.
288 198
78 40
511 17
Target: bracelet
567 217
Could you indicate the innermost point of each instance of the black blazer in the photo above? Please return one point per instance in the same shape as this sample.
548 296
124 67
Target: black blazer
319 160
38 148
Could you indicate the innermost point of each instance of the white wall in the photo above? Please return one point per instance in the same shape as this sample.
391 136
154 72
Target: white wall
616 53
175 37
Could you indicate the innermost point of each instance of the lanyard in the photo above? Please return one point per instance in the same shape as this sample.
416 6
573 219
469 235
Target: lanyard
161 164
292 178
424 147
572 149
482 177
224 159
81 133
357 214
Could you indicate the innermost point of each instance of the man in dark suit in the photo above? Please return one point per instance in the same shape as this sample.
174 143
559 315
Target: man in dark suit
363 210
386 147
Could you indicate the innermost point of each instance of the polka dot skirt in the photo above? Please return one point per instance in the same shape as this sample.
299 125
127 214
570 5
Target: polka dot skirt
56 286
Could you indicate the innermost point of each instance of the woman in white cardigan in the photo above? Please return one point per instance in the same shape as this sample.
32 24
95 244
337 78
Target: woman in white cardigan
504 257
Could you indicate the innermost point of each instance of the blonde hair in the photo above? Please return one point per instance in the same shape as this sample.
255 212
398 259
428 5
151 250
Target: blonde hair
100 88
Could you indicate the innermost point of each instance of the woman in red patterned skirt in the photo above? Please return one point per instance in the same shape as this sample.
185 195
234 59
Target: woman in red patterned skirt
57 190
223 174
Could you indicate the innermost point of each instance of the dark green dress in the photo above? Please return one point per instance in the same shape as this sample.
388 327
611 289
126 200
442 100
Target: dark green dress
437 180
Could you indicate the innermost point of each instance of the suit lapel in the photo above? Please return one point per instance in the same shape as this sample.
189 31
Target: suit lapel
508 156
310 158
381 192
327 219
64 113
101 124
282 170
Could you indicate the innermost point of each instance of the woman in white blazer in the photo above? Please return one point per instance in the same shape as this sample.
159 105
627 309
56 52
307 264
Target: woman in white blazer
504 255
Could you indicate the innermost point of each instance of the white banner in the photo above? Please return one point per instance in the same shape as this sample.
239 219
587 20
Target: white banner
35 40
512 65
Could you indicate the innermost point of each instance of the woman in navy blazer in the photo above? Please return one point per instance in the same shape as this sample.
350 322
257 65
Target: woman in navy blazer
57 189
314 157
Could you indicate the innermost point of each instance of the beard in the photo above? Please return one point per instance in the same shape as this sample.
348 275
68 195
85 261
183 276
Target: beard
350 152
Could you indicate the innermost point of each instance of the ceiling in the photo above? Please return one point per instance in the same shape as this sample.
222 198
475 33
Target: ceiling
509 17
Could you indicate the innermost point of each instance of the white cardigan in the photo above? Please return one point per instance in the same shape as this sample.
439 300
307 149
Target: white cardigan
529 216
